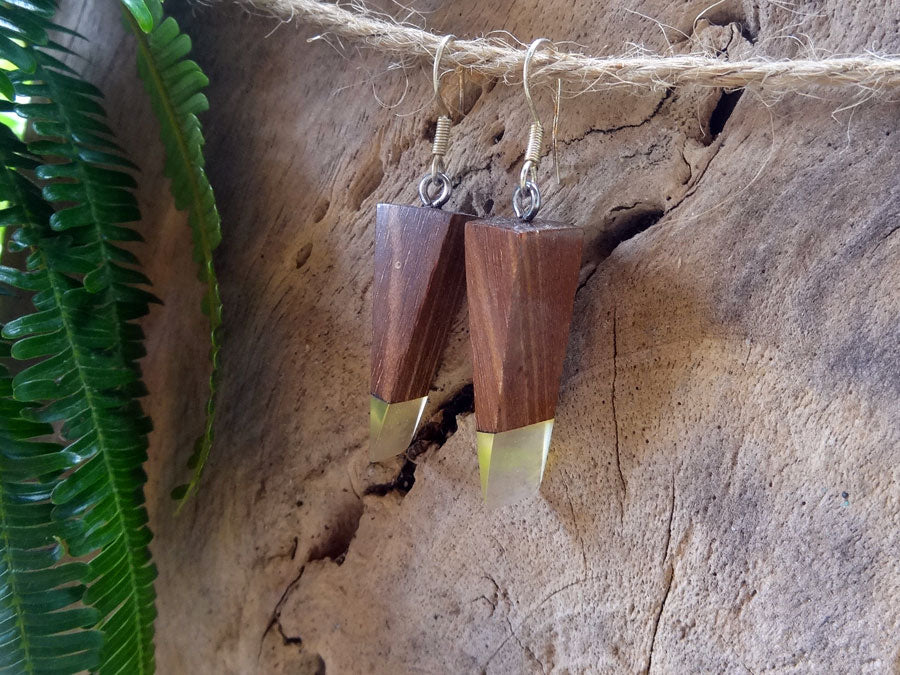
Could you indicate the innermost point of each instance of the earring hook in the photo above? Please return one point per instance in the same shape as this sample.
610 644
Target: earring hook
436 72
526 76
435 186
527 189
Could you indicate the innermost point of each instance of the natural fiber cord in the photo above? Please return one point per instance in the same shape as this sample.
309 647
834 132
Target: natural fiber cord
496 58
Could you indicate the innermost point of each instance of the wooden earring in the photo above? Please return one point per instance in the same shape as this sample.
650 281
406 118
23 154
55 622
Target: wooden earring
521 277
419 283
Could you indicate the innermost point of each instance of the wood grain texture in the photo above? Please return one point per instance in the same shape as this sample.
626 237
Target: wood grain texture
419 282
733 367
520 280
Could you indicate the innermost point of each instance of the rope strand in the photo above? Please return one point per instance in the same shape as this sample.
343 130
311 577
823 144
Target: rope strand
495 58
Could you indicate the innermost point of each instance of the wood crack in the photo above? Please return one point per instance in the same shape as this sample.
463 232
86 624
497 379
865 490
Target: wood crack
669 528
883 239
669 574
531 612
615 344
611 130
662 606
587 278
275 619
525 648
693 181
433 434
288 639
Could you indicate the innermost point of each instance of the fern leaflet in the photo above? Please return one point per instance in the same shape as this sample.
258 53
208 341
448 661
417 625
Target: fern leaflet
43 627
82 341
174 85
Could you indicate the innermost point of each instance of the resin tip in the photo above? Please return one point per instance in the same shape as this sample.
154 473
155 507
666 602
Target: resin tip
511 463
392 425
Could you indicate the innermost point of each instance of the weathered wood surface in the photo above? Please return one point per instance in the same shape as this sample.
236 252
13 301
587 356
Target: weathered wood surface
722 493
419 280
520 283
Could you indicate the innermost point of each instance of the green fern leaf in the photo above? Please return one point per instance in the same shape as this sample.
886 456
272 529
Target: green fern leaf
141 14
175 85
90 387
96 195
43 627
84 344
6 87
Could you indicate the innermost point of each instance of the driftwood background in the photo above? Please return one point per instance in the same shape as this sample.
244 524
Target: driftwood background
723 489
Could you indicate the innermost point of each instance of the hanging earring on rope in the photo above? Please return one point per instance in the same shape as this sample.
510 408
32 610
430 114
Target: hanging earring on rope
521 276
419 283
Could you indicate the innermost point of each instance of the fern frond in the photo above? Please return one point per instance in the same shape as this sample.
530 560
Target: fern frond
175 86
84 345
141 13
86 383
66 114
43 627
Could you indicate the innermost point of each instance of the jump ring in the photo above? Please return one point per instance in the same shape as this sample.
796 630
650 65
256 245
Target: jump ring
427 195
534 201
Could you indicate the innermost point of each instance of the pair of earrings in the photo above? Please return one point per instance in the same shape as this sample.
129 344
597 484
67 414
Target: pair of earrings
520 276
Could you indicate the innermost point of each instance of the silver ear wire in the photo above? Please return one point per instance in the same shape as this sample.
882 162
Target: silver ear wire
435 186
527 195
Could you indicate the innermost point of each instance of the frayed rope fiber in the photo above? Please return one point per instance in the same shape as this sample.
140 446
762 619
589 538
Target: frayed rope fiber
495 58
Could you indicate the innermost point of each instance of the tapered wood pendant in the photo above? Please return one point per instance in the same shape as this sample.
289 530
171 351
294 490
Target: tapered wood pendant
521 280
419 283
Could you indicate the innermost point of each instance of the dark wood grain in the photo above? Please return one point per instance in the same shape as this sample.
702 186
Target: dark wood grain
521 281
419 282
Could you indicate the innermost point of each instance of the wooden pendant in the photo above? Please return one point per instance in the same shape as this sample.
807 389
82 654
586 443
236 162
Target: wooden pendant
521 281
419 282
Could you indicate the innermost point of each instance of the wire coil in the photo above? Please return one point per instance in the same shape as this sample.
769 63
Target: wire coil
535 147
533 152
440 144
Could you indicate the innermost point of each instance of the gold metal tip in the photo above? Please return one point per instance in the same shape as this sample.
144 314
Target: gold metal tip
392 426
511 463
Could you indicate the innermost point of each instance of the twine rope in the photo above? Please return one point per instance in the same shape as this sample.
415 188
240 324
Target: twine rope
494 57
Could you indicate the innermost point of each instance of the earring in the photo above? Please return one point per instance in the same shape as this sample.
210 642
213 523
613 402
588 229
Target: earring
521 276
419 283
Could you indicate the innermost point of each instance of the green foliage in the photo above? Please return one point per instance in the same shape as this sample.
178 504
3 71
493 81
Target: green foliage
81 342
42 627
175 85
68 199
141 13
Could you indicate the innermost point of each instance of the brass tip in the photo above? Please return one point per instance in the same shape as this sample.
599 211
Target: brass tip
392 426
511 463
